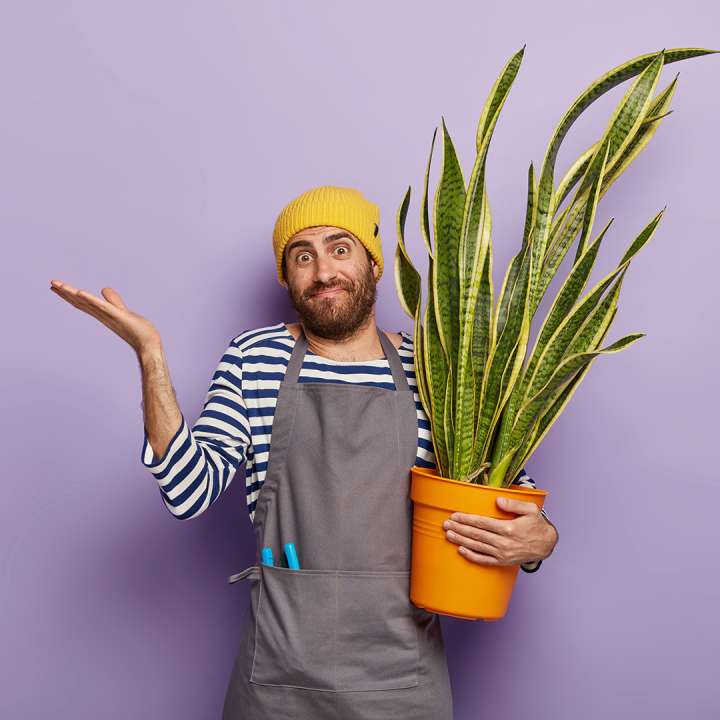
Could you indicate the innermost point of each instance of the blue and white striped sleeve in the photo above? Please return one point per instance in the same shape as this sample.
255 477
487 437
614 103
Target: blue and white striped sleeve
524 479
199 464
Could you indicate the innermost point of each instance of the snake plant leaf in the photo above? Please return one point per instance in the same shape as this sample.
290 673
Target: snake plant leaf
625 121
595 171
472 251
419 342
563 232
565 332
607 82
449 203
556 253
566 298
483 332
515 371
597 322
420 334
657 112
562 375
474 349
409 290
436 373
630 112
578 332
420 370
630 118
448 423
594 91
474 246
512 270
496 99
642 239
563 335
546 421
499 470
563 304
570 179
407 278
530 207
424 213
506 290
566 225
504 362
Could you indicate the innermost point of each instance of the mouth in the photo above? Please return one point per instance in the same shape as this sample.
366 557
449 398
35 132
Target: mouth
328 293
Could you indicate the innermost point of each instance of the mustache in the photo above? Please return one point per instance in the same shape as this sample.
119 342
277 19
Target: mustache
324 288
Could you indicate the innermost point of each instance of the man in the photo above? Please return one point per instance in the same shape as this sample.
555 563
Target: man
326 417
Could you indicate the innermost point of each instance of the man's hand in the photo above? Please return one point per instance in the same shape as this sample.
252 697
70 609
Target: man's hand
490 541
111 311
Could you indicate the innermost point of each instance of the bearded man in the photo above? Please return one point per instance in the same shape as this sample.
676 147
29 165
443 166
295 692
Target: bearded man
324 414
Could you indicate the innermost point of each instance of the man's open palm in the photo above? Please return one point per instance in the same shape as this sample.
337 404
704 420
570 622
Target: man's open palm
112 312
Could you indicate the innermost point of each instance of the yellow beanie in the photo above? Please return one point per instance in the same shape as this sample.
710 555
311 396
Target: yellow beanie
330 205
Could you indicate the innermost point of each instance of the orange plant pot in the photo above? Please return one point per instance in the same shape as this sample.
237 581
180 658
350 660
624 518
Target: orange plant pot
441 579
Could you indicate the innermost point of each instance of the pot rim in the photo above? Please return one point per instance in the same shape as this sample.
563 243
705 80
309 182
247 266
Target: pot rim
517 490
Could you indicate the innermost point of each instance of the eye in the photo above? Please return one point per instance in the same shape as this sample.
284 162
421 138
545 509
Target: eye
343 248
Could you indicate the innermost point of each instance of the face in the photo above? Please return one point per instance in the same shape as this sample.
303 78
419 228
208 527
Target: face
331 280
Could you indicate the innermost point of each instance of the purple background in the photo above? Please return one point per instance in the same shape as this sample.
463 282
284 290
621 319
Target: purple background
148 146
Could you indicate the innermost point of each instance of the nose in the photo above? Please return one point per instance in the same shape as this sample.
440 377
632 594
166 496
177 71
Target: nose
324 270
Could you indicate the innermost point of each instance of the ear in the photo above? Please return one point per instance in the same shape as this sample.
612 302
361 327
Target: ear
376 269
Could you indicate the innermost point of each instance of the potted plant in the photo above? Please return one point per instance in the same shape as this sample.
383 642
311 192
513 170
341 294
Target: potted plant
490 402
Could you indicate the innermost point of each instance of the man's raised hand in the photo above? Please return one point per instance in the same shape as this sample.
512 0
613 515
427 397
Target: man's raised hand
112 312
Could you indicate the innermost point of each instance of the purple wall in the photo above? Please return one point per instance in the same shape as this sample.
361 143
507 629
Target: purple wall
148 146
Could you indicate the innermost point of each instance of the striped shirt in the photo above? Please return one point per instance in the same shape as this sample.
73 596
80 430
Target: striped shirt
235 425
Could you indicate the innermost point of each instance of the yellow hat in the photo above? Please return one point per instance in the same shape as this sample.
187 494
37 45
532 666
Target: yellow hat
330 205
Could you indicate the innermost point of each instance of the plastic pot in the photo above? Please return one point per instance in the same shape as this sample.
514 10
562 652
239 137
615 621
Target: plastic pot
441 579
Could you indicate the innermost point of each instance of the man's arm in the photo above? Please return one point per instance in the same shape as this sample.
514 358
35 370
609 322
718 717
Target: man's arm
162 417
193 466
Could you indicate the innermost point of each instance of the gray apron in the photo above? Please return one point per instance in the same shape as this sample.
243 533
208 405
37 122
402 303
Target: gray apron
338 638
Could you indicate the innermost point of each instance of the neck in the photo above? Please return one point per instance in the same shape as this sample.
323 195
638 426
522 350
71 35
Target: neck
363 345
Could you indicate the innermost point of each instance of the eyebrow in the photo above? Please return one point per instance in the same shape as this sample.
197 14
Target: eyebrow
326 240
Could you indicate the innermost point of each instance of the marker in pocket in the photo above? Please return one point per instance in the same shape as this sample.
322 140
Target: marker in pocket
267 556
291 555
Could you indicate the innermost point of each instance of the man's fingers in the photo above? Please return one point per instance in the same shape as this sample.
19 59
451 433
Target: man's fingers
478 534
520 507
478 546
501 527
478 558
81 304
114 297
83 300
60 285
96 302
65 295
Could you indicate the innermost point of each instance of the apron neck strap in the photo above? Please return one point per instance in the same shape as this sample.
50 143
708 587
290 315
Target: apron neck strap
391 353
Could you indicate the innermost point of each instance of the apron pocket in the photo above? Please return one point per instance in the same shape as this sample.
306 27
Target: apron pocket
377 645
335 630
295 628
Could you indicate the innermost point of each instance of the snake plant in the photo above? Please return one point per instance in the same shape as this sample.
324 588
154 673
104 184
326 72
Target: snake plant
490 402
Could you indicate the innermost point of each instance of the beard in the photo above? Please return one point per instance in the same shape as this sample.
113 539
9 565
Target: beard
336 317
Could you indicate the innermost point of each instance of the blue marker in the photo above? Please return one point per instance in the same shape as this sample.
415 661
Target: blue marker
267 556
292 557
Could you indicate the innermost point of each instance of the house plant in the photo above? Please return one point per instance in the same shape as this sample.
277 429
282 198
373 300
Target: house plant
490 400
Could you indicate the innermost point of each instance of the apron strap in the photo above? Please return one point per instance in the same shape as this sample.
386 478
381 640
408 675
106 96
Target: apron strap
391 353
